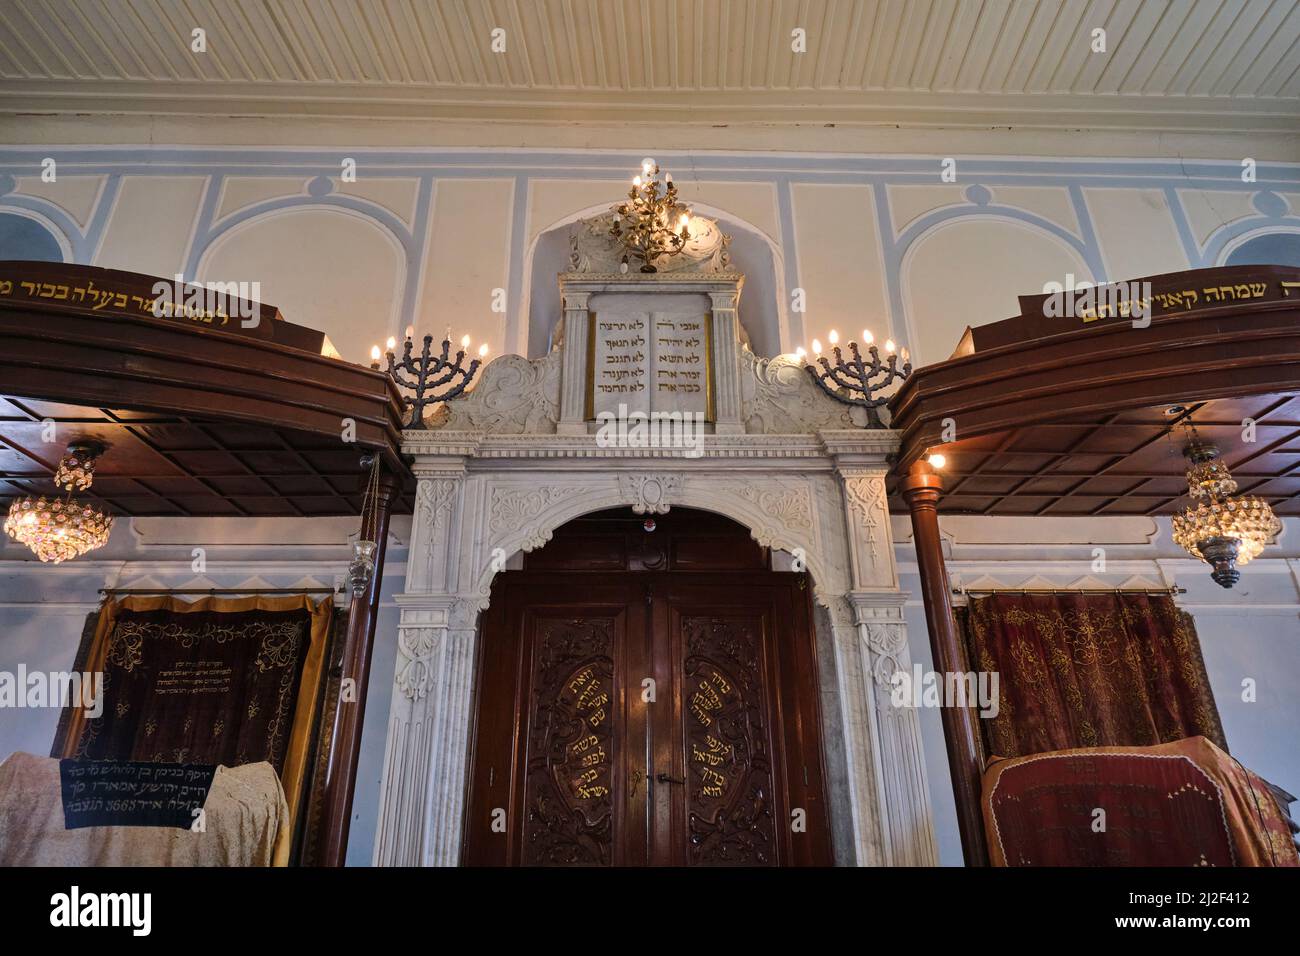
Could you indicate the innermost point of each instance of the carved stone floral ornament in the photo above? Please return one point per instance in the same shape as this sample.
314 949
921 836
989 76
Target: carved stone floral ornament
591 250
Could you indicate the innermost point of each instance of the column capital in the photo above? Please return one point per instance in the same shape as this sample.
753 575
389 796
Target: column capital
575 300
922 485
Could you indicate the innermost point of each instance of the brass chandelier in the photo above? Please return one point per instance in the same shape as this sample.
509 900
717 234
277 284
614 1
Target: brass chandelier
652 224
1223 529
59 529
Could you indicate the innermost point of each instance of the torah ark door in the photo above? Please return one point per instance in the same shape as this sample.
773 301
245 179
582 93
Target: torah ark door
639 717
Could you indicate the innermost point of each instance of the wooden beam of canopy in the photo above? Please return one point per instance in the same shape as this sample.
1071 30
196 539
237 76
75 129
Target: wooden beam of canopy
1037 369
69 351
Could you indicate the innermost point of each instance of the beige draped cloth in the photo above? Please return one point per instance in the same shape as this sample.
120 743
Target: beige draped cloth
246 818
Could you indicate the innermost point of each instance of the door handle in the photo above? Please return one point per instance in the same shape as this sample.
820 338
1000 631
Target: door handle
664 778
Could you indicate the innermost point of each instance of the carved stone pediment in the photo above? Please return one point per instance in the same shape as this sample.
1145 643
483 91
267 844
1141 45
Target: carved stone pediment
514 396
593 250
778 398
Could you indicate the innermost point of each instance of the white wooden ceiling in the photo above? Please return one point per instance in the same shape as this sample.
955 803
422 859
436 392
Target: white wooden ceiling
1193 64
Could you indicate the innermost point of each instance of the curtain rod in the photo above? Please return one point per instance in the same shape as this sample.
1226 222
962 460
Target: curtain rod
1174 589
220 590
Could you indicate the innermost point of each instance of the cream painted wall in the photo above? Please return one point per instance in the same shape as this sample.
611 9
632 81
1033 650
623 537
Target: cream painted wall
427 236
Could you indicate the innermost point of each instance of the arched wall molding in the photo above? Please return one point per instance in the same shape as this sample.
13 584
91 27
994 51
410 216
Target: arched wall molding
320 193
519 331
59 237
932 224
78 244
1287 225
791 496
899 248
1273 213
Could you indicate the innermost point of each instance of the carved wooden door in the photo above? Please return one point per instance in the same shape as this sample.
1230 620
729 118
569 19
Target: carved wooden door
638 717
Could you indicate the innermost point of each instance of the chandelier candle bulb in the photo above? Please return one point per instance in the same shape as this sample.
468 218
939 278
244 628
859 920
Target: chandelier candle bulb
374 356
652 224
817 347
867 338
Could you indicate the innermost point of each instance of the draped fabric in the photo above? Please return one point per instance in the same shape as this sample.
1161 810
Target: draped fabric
215 681
1089 669
246 823
1185 803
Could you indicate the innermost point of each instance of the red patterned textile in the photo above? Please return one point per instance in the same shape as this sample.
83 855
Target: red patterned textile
1185 803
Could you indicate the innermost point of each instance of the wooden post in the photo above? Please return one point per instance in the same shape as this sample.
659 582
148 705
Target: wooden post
345 743
921 489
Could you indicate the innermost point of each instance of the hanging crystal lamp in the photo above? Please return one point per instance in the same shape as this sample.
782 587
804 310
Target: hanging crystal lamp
59 529
1221 528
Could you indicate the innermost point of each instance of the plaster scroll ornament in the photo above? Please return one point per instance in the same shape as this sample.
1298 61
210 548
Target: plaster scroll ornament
650 494
778 398
514 396
593 250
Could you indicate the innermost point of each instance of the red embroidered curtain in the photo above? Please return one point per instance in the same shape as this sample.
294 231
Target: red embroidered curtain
1090 669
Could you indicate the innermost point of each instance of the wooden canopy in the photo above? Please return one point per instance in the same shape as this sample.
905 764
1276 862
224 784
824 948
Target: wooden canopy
1066 415
207 405
201 415
1066 410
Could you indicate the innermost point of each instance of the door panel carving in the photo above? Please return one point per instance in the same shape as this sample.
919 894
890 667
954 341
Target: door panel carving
575 763
729 767
568 792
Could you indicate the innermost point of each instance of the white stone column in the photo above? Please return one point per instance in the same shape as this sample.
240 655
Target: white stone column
883 742
905 820
726 363
422 790
573 376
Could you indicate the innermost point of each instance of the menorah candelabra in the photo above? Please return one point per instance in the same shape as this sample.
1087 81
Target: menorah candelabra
856 382
435 377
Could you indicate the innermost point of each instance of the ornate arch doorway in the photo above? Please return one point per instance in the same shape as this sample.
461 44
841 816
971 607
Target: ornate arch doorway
647 694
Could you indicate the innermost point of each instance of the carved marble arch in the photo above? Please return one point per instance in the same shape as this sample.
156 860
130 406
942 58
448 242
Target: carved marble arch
781 516
754 252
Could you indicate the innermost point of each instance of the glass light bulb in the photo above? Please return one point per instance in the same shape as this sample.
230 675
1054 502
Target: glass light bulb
685 220
392 343
867 337
374 353
482 350
636 180
889 346
834 337
410 331
464 341
817 347
800 352
937 461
